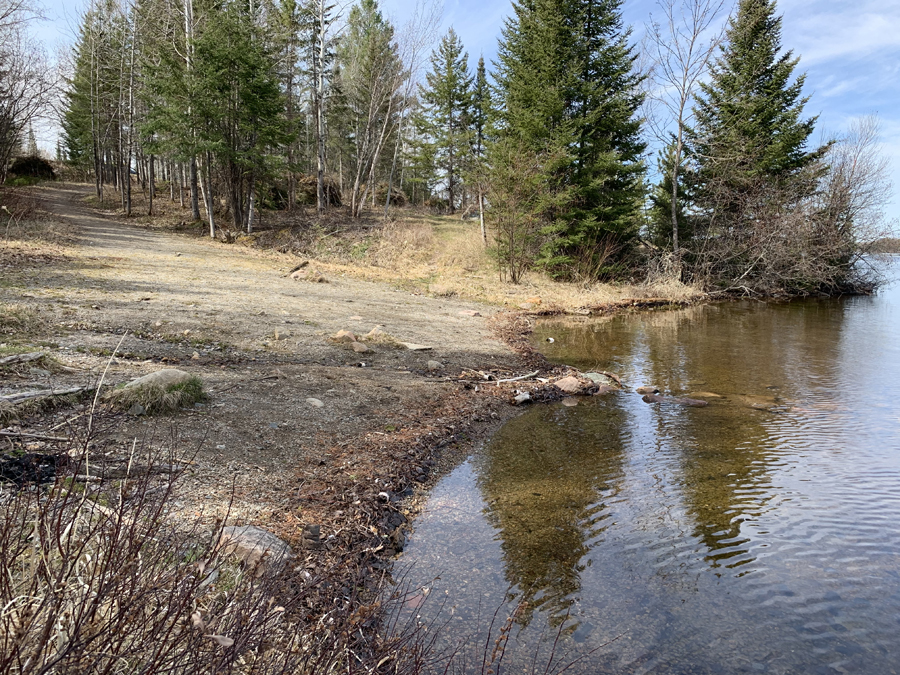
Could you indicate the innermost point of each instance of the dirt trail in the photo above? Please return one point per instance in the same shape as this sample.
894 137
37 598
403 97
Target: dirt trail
258 339
242 296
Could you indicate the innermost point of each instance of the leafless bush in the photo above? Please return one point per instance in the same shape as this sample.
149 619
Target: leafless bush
99 577
810 235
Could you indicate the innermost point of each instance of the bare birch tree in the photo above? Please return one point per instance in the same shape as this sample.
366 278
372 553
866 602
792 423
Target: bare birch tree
680 47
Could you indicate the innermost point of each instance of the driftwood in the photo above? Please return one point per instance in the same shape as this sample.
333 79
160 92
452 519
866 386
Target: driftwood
40 393
518 379
21 358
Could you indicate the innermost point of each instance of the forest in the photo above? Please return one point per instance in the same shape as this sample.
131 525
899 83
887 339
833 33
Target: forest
580 151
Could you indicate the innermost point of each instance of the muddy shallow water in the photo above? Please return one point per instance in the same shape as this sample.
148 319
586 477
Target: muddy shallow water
759 534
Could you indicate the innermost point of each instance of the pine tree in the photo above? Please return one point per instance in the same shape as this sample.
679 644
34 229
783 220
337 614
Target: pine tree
448 109
567 83
481 108
749 135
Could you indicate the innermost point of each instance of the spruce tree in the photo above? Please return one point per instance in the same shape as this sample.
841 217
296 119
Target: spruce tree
448 101
481 108
749 135
567 83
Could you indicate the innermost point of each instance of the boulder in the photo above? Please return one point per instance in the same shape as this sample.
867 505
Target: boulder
569 385
255 547
344 336
164 379
359 347
599 378
522 397
434 365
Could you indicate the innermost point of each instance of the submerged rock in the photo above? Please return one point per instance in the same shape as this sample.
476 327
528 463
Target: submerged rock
688 402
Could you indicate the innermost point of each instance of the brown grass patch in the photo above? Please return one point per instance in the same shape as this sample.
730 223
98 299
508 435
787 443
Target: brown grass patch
441 256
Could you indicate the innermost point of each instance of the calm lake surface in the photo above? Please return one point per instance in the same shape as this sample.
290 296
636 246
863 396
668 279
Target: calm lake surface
760 534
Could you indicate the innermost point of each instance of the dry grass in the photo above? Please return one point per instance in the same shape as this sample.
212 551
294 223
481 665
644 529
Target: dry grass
436 255
157 399
17 320
445 257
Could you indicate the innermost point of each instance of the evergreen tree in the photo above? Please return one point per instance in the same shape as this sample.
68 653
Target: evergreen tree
448 108
481 108
749 135
566 80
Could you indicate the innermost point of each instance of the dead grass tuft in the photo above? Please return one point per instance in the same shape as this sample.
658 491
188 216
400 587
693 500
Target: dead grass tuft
17 320
155 399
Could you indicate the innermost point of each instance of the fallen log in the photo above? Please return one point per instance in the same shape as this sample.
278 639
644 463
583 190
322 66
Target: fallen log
40 393
21 358
37 437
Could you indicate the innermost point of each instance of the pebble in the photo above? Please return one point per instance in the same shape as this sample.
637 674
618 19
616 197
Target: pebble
315 403
434 365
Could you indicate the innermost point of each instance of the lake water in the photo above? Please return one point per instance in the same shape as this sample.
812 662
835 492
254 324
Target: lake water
760 534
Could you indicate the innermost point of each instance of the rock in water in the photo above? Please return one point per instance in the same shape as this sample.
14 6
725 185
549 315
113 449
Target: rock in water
688 402
569 385
647 390
255 546
164 379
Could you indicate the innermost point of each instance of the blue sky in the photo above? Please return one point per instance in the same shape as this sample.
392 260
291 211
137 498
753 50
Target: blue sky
849 49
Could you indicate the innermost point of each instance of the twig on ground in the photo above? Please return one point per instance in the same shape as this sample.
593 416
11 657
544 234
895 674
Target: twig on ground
518 379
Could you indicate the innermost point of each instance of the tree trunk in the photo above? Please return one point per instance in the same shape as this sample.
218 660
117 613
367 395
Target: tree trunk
206 186
150 177
195 201
251 204
481 216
